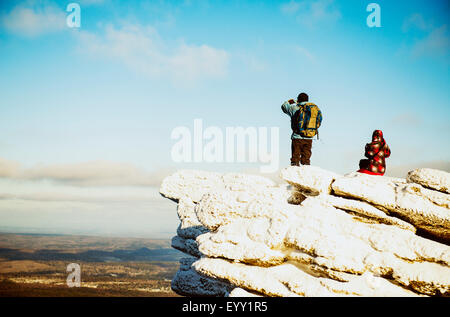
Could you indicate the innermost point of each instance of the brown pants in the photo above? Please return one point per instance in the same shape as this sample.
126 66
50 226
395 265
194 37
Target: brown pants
301 151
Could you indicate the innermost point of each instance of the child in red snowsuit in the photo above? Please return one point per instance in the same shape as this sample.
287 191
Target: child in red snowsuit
376 152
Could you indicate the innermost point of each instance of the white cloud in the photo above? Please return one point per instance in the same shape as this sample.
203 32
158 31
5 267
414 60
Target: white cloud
52 193
306 53
313 12
34 21
436 43
192 62
8 168
63 209
430 40
324 10
290 7
253 63
410 120
415 21
94 173
91 2
115 198
142 50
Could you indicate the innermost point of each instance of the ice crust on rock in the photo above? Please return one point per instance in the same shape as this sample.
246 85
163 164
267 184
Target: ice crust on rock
322 234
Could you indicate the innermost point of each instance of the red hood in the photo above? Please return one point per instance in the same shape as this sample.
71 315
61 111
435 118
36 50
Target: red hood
377 136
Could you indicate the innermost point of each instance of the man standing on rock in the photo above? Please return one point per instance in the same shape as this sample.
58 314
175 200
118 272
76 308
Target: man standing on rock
306 119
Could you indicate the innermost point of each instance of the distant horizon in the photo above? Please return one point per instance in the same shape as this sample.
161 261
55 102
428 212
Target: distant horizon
29 231
149 216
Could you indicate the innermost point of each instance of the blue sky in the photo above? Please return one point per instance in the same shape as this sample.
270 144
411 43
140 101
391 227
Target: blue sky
87 113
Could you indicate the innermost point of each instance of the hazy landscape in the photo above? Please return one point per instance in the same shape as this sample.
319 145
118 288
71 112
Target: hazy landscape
35 265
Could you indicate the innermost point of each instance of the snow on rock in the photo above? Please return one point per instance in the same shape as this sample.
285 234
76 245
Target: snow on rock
309 179
222 207
367 212
431 178
194 184
322 234
239 292
332 239
426 209
190 227
291 280
379 191
190 184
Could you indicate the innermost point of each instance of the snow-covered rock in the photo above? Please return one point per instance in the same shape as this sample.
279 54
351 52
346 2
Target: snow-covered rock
426 209
194 184
366 212
309 179
431 178
290 279
324 234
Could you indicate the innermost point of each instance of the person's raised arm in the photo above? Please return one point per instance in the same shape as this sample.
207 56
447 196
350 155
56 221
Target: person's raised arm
287 106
